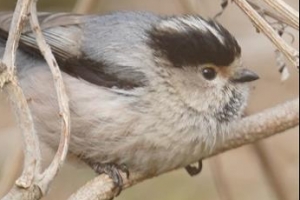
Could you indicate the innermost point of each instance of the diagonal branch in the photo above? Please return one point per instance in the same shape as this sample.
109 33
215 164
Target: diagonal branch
63 102
272 14
9 82
291 53
285 10
246 131
18 21
32 184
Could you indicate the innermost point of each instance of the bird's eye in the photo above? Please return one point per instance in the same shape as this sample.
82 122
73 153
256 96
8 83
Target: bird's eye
209 73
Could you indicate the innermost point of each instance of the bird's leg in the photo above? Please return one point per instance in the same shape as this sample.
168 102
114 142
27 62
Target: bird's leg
193 171
113 171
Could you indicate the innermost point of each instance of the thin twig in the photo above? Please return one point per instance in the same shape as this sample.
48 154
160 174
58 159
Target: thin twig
246 131
18 99
63 102
18 21
17 193
279 25
272 14
285 10
32 185
291 53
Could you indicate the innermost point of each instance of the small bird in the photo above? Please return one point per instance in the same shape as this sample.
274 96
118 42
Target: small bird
147 92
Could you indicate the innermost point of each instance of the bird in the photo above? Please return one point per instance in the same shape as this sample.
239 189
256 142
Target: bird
147 92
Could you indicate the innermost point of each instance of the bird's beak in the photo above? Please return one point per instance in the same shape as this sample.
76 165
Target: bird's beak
244 76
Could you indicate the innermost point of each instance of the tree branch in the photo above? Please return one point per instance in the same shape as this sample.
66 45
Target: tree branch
9 82
272 14
285 10
246 131
291 53
32 184
63 102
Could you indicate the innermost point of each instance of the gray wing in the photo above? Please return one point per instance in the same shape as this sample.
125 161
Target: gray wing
60 30
85 46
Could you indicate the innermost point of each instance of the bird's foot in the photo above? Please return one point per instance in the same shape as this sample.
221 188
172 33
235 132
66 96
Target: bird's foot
193 171
113 171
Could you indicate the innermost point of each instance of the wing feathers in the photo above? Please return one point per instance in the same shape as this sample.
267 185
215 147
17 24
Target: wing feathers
63 33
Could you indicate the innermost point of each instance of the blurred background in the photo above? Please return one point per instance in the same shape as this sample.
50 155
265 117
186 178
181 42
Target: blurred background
268 170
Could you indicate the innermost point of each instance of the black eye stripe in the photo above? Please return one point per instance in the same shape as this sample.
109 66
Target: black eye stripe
192 47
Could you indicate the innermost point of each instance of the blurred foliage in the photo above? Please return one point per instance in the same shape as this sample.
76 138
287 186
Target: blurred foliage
49 5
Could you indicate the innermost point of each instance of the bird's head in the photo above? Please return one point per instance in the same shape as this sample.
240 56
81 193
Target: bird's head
201 61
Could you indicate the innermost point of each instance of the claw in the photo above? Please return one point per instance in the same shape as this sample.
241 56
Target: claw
125 170
113 171
193 171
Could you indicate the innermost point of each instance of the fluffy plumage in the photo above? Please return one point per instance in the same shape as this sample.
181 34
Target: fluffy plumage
135 81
